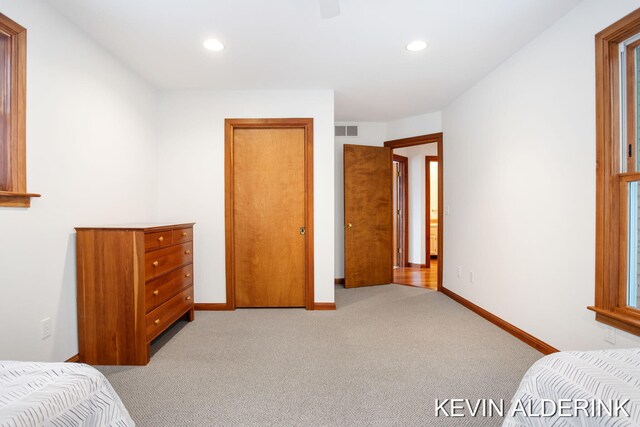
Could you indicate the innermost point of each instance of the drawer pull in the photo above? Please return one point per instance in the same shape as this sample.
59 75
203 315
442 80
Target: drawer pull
184 234
156 292
187 275
156 263
188 298
160 239
157 321
187 252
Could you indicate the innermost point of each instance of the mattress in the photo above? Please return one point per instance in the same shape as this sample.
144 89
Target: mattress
58 394
595 388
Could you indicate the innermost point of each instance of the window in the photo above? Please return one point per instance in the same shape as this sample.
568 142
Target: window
13 56
617 299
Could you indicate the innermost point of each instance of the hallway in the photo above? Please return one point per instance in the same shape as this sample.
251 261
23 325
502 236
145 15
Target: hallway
419 277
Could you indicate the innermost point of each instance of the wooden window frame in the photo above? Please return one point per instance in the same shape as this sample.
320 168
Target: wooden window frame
611 184
13 84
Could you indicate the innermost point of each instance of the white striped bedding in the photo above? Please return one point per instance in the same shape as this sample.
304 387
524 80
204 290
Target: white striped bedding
605 375
58 394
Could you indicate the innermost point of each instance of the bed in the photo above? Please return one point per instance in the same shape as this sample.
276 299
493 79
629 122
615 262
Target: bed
58 394
600 382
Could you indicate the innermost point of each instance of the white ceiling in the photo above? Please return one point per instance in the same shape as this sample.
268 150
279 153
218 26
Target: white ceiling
284 44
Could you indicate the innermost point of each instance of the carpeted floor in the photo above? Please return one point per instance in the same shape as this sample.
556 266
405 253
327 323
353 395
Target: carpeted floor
382 358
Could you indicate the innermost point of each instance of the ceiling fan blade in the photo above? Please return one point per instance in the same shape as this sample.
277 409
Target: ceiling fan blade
329 8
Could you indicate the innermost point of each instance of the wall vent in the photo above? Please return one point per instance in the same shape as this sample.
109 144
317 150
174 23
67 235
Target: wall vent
346 131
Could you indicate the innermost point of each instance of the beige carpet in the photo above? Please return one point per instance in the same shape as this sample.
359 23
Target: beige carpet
382 358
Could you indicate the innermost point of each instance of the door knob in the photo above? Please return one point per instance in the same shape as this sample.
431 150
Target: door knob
349 225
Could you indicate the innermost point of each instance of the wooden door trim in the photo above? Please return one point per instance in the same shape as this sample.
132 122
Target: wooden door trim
427 139
415 140
404 201
427 207
297 123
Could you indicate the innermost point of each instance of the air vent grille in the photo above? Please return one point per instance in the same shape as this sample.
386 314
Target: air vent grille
346 130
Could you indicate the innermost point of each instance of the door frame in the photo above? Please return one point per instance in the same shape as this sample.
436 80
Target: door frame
230 125
428 139
404 202
427 207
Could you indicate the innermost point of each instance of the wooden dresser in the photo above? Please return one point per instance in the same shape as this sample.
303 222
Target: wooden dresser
133 283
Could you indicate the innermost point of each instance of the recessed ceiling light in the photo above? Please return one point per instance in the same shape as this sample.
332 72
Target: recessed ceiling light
213 44
416 46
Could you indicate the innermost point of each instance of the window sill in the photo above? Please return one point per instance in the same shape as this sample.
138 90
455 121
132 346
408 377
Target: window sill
16 200
618 319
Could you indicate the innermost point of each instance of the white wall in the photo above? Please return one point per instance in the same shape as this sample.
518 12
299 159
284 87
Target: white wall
422 124
369 133
191 182
417 198
91 154
519 152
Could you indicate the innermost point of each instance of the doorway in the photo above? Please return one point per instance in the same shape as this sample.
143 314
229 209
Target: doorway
269 212
423 194
368 212
431 164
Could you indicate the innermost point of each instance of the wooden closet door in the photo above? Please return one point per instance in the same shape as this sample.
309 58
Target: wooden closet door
269 211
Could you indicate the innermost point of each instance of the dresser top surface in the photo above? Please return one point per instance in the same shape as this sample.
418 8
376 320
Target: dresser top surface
145 226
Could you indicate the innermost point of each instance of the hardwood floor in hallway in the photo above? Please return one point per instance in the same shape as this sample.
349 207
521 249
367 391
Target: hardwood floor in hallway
419 277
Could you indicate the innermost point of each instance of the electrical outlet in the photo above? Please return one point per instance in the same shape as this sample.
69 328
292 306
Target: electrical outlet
45 325
459 272
610 335
471 277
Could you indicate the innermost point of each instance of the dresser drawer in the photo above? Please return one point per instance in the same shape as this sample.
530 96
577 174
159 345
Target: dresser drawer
160 290
162 261
183 235
157 240
169 312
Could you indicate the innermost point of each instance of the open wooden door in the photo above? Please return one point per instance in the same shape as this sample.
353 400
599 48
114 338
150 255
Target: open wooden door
368 217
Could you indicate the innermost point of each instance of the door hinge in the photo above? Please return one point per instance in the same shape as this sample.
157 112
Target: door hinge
629 150
398 212
399 250
399 174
